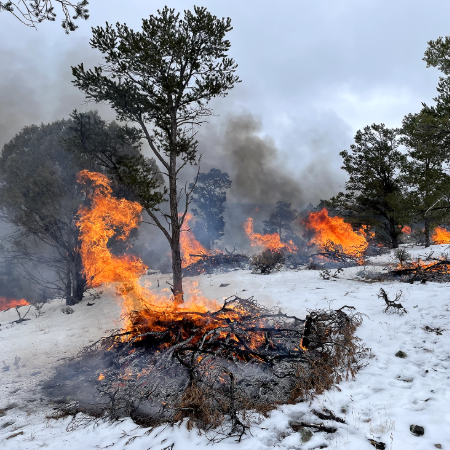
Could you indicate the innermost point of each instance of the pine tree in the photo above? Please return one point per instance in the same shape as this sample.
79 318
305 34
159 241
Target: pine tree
374 192
209 197
162 78
424 172
280 221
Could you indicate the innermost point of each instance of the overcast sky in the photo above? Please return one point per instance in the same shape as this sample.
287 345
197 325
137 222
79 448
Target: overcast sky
312 72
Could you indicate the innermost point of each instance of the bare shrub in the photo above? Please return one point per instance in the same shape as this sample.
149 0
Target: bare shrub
327 275
402 256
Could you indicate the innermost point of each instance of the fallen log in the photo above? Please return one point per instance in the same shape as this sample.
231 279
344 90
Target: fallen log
297 426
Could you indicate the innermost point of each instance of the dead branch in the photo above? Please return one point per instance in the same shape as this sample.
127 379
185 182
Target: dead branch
396 307
297 426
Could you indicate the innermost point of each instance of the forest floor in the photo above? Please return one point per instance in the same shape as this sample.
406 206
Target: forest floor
386 397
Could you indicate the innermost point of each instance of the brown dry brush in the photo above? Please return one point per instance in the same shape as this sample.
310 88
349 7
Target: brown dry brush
267 262
220 262
216 369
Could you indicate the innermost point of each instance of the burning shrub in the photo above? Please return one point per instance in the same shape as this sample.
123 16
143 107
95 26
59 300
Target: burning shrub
430 269
213 367
267 262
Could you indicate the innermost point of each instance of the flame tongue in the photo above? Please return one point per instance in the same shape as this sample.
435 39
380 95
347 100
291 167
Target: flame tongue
441 236
406 229
106 217
189 245
6 303
332 233
269 241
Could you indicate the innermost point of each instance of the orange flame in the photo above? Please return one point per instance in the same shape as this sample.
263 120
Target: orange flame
365 231
406 229
332 233
189 245
269 241
106 217
98 224
6 303
441 236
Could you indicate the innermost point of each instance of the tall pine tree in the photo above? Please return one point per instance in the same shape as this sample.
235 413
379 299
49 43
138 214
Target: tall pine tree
374 192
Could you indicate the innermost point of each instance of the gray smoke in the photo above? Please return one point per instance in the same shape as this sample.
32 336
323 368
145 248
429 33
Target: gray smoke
257 175
262 174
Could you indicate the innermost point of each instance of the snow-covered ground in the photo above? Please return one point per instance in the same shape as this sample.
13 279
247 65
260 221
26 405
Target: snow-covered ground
381 403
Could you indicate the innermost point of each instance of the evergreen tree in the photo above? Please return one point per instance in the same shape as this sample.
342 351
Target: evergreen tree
375 189
280 221
40 196
209 197
162 78
424 172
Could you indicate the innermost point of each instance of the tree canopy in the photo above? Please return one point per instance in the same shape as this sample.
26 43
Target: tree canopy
37 11
428 195
39 195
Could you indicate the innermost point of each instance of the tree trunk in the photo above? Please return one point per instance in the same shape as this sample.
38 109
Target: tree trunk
79 285
427 232
177 288
393 231
68 294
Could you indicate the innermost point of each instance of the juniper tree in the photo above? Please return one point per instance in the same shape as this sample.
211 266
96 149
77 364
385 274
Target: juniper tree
39 196
209 197
374 192
162 79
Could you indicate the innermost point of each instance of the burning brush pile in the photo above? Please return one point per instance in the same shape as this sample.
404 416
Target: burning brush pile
336 240
211 363
197 259
214 367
